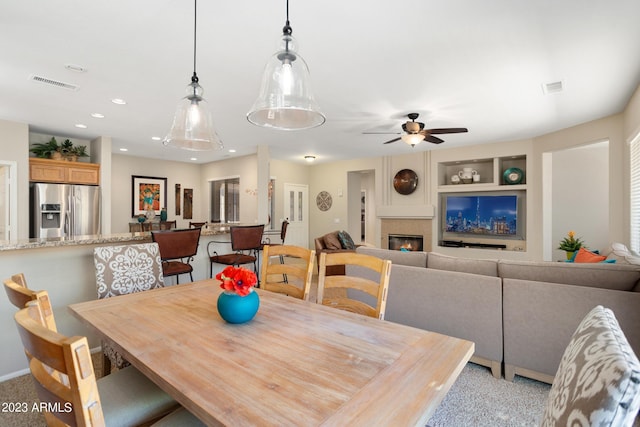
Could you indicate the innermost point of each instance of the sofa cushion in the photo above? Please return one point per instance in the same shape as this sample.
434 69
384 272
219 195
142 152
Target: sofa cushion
598 275
331 241
412 258
485 267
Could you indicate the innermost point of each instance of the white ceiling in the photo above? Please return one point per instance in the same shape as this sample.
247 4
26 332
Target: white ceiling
459 63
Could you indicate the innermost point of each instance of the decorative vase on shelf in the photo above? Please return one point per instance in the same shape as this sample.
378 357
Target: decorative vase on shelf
150 214
234 308
163 214
141 218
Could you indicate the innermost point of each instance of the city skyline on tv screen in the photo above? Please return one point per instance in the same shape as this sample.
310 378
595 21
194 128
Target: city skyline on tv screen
488 215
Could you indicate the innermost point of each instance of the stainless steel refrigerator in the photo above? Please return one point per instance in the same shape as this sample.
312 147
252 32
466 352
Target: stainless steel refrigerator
64 210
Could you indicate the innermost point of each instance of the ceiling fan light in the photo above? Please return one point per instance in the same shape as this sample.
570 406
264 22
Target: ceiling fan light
192 127
412 138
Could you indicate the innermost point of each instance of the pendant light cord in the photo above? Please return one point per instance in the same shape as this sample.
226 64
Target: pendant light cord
287 30
194 78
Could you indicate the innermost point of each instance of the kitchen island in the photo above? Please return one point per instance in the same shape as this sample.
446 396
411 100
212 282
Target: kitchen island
64 268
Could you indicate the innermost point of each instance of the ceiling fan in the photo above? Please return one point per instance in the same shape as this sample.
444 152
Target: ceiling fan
415 132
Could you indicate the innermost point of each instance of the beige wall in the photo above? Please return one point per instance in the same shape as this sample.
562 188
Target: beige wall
14 141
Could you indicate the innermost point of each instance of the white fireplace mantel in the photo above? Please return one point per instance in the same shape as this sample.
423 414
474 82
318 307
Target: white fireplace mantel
405 211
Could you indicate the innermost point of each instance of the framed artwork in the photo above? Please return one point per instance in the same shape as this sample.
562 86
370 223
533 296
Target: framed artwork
188 203
177 199
148 191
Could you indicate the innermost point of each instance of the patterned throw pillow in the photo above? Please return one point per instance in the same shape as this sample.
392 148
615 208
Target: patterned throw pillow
331 241
598 380
345 240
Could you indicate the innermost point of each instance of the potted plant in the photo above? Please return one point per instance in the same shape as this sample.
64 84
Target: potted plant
77 151
46 149
570 244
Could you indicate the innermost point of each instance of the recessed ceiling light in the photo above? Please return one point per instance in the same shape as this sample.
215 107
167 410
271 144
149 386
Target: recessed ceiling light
232 151
194 158
118 101
81 126
156 138
124 149
97 115
309 158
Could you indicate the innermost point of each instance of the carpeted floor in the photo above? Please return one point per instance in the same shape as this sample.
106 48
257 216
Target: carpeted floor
476 399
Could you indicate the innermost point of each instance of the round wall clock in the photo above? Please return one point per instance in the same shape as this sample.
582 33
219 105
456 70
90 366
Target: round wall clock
405 181
324 201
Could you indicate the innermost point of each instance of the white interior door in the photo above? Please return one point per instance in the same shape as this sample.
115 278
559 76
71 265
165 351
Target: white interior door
296 210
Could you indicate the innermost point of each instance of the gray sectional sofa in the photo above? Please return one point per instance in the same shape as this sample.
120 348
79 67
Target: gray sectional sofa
519 314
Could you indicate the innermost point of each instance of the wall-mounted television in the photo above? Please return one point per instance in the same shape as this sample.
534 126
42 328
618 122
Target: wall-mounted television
494 215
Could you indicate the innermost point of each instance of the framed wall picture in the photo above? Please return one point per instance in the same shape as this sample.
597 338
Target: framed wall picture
188 203
178 199
148 191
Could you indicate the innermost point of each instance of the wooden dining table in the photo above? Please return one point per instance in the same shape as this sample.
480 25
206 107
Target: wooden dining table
296 363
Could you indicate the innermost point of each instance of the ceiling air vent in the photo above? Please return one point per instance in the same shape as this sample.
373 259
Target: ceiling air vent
52 82
553 87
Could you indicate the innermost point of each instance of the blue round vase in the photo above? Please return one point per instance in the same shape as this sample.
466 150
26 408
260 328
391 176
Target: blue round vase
236 309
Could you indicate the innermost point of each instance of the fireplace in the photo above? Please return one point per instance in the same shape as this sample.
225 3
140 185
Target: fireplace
405 242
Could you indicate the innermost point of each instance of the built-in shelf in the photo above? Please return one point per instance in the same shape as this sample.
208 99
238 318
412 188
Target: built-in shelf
490 170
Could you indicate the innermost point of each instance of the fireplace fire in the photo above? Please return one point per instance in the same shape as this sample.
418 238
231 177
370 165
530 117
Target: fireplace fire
403 242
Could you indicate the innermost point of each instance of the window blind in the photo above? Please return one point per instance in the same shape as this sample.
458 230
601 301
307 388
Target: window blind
634 194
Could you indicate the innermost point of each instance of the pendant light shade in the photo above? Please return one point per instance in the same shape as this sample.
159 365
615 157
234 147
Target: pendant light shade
192 127
412 138
285 101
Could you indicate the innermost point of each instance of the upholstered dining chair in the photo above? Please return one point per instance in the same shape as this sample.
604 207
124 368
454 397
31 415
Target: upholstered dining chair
177 249
295 263
246 241
121 270
124 398
598 380
351 293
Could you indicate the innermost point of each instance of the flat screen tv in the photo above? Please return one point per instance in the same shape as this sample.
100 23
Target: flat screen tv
492 215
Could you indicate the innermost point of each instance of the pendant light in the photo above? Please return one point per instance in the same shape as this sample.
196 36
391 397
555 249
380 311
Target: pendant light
285 101
192 127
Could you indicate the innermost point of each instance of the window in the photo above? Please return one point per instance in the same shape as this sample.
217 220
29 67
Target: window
634 194
225 200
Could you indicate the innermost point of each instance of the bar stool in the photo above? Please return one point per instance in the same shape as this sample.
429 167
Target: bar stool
246 241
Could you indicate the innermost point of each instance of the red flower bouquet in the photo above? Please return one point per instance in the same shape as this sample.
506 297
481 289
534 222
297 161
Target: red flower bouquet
237 279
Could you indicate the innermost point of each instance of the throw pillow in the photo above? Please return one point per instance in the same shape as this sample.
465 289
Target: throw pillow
620 253
598 380
584 255
331 241
345 240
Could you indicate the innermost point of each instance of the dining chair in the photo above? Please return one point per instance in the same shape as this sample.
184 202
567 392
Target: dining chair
352 293
124 398
246 241
177 249
298 270
167 225
19 295
196 224
598 380
122 270
139 227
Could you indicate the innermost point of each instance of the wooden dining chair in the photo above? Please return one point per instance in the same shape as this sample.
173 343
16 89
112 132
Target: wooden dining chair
167 225
295 263
246 241
125 398
122 270
598 379
352 293
19 295
177 249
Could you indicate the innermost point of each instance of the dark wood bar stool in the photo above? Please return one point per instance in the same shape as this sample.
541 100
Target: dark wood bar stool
246 241
177 249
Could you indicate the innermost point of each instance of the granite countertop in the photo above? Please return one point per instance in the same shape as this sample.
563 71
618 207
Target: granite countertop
13 245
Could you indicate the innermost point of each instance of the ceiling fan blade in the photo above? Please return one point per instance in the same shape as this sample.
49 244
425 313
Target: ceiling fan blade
447 130
433 139
393 140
